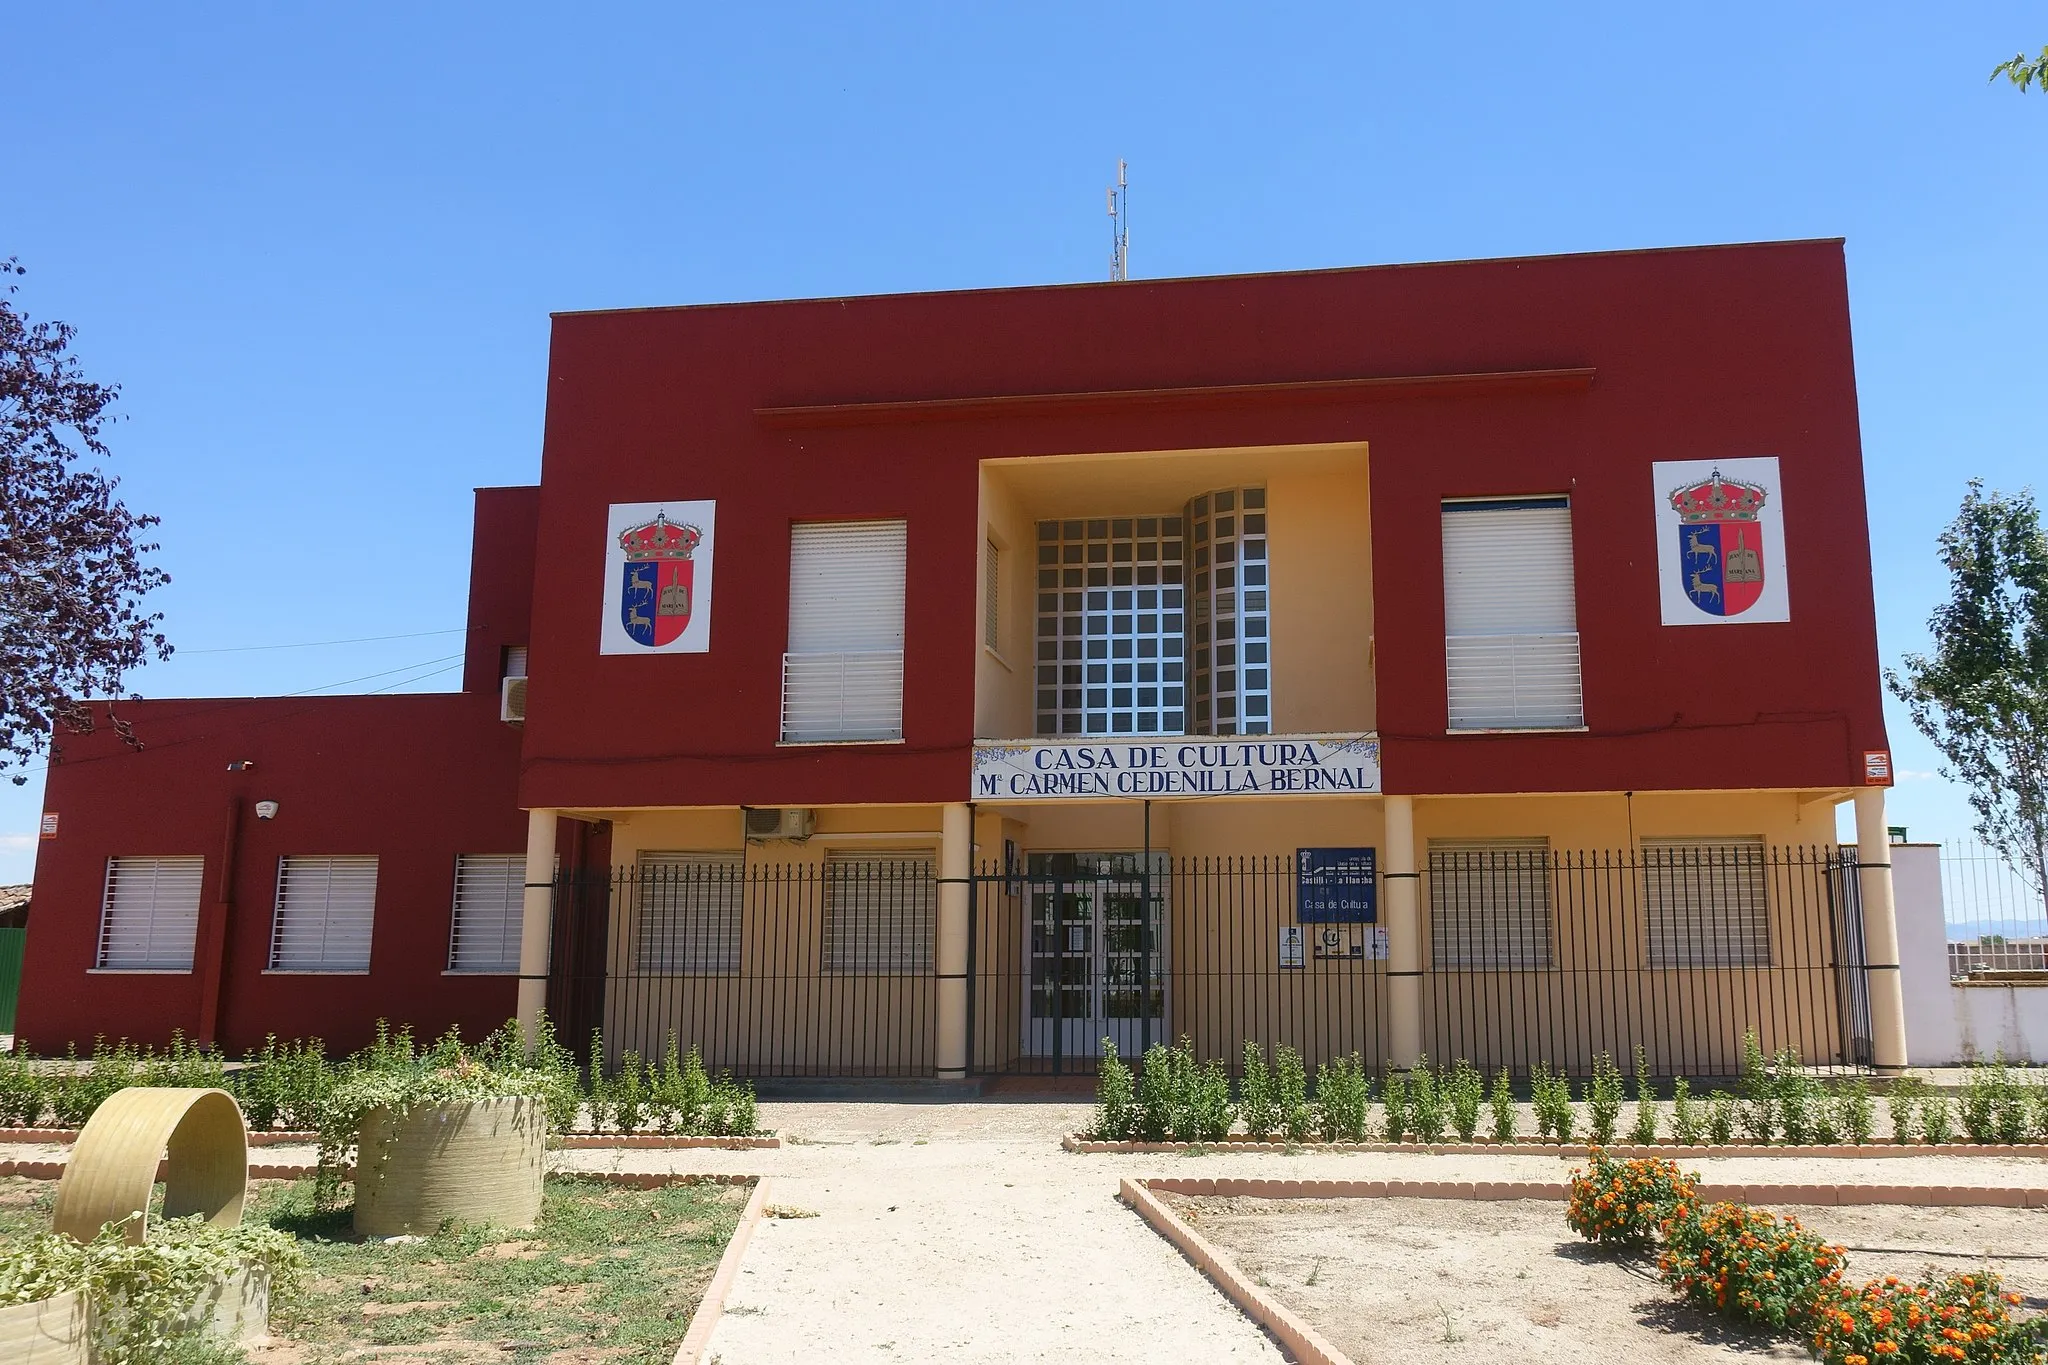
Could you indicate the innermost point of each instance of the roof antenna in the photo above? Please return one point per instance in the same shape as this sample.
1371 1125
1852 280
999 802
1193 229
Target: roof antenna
1120 224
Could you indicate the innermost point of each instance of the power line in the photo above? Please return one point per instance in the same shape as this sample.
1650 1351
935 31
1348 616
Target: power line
317 644
385 673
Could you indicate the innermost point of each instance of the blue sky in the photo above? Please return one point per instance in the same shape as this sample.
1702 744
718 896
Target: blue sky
318 247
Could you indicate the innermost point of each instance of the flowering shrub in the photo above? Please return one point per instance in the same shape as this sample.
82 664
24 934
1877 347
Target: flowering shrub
1954 1318
1621 1203
1750 1265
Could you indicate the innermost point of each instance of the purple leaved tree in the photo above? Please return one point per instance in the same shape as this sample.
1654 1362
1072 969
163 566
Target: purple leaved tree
73 568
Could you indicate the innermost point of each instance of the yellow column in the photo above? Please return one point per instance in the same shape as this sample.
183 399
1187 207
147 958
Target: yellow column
1401 909
536 922
956 866
1880 932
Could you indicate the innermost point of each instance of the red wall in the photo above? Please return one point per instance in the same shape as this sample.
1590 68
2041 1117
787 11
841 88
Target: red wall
1720 351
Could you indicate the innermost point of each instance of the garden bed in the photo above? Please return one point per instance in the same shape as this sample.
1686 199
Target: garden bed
1395 1280
566 1141
613 1273
1237 1142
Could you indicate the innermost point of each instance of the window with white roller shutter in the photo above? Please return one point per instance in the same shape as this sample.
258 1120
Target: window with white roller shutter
880 907
842 677
1707 902
149 915
1511 633
1489 903
325 907
691 906
490 910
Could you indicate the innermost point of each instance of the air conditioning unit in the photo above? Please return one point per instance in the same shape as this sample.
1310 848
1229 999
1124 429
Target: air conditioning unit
512 701
769 822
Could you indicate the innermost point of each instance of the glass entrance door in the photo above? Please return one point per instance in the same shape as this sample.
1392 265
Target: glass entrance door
1097 952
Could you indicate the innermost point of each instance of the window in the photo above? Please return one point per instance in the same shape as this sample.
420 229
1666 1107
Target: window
149 916
490 910
1111 624
1706 902
324 909
1511 646
1227 649
515 661
690 907
879 910
1489 903
992 598
842 678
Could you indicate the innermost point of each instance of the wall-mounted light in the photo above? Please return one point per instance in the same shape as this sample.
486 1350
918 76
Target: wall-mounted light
266 810
242 765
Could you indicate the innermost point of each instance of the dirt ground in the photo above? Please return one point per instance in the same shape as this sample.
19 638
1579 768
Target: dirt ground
1411 1280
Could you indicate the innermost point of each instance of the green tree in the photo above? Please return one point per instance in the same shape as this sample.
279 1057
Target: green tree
1982 696
2025 71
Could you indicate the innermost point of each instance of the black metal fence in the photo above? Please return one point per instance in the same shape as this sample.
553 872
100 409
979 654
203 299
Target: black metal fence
1526 956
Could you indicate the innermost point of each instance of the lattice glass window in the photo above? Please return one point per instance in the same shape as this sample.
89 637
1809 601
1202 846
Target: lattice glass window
1707 902
1232 667
1489 903
1111 627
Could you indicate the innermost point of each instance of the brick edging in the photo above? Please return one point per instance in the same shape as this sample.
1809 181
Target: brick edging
1302 1341
304 1170
564 1141
1935 1196
1073 1142
712 1306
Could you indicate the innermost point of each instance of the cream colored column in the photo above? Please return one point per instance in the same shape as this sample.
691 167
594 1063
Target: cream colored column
956 866
537 920
1880 932
1401 905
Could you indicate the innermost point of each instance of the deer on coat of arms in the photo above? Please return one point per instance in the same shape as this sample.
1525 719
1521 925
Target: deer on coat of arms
1700 587
1696 546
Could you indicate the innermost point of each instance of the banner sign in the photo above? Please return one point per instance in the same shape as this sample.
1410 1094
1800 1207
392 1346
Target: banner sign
1182 766
1336 885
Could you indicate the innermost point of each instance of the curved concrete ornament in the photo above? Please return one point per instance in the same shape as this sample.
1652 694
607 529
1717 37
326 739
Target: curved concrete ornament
113 1167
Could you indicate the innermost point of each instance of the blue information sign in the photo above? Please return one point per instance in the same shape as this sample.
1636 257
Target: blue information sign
1337 885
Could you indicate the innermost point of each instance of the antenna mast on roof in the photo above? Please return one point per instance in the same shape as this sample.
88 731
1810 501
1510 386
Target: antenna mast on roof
1120 224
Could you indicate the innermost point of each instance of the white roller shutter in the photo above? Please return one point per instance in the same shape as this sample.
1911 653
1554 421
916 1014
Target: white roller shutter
842 678
149 917
325 907
1707 902
879 911
1511 646
1489 903
490 909
691 907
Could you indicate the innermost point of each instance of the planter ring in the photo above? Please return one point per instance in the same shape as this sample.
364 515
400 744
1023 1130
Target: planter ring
114 1164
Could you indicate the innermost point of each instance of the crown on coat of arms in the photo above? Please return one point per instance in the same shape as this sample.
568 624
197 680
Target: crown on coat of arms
1716 498
660 539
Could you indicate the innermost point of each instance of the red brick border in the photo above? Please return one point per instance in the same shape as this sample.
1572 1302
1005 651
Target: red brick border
1938 1196
1074 1142
304 1170
564 1141
712 1306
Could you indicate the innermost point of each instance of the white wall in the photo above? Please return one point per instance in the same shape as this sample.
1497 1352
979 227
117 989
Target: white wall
1948 1023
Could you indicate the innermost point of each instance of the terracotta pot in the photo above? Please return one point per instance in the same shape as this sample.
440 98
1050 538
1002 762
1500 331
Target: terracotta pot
474 1161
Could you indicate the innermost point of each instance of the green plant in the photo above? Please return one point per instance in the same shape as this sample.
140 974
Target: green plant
1750 1265
1394 1101
1343 1099
1759 1111
1902 1101
1644 1130
1825 1124
1505 1116
1209 1115
1425 1103
1688 1124
1977 1105
1258 1103
1466 1089
1156 1095
1858 1115
2039 1095
1622 1203
1720 1118
1797 1096
1937 1118
1116 1098
1604 1099
1551 1092
23 1092
282 1085
1290 1094
2011 1106
143 1294
1942 1318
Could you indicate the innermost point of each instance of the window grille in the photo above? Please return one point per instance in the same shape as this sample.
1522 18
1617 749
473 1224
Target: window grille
149 915
1511 646
992 598
691 907
1707 902
842 678
1111 627
1230 666
879 913
489 913
325 907
1489 903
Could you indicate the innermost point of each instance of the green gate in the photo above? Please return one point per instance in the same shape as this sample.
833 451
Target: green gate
11 942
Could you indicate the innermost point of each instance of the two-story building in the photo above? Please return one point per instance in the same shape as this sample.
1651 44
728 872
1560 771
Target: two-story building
1460 659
